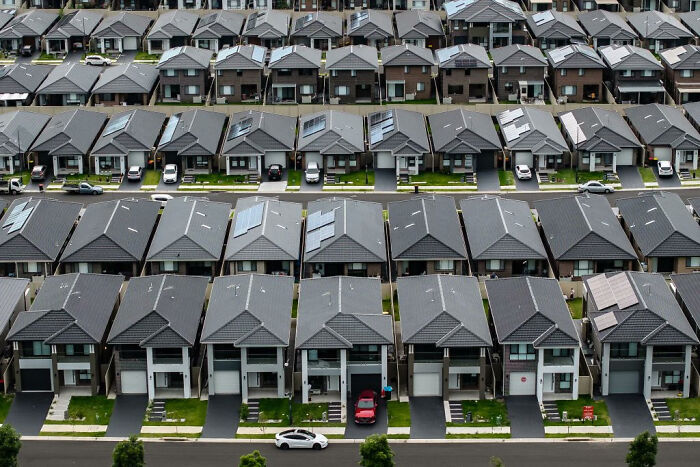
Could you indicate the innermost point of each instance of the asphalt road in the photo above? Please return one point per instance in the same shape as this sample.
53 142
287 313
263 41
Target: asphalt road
185 454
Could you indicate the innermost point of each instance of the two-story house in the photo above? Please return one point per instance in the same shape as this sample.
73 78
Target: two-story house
488 23
635 74
681 64
334 140
421 28
408 72
552 29
370 27
318 30
352 74
184 74
239 74
576 73
398 140
171 29
519 73
607 28
294 74
659 31
16 299
464 73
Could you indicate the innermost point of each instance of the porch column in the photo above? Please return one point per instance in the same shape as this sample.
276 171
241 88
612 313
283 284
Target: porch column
591 162
482 373
510 33
677 161
647 371
16 366
55 165
280 372
244 375
605 370
411 360
614 162
574 377
343 378
120 45
55 380
304 376
66 44
686 371
80 164
384 366
446 374
95 372
540 374
695 159
151 376
210 369
186 375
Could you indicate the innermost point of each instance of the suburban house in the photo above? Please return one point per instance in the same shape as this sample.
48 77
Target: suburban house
687 291
659 31
464 73
576 74
583 236
294 74
239 74
121 32
607 28
25 248
218 30
59 343
318 30
6 15
544 5
125 84
426 237
552 29
16 299
189 238
72 32
344 237
111 238
502 237
488 23
342 337
246 332
464 141
18 130
691 18
68 84
184 74
642 340
64 144
334 140
408 71
191 140
692 113
667 136
352 74
255 140
682 63
446 336
26 29
269 28
19 82
663 232
128 140
421 28
370 27
635 74
519 72
265 237
541 347
600 139
172 29
154 335
532 138
398 140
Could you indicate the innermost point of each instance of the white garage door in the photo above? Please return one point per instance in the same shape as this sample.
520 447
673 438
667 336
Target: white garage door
314 157
624 382
385 160
522 383
137 158
625 157
523 158
134 382
662 154
426 384
227 382
276 157
131 43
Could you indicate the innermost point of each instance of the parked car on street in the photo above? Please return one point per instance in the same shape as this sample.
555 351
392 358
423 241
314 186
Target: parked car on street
82 188
38 172
366 407
11 186
170 173
274 172
97 60
594 186
523 172
300 439
135 173
162 198
665 168
312 173
26 51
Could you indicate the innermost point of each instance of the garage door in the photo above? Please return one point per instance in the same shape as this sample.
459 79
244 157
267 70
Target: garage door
276 157
624 382
625 157
385 160
523 158
137 158
522 383
131 43
359 383
134 382
426 384
314 157
36 379
662 154
227 382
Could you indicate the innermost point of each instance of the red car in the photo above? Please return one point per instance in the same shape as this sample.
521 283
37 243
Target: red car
366 407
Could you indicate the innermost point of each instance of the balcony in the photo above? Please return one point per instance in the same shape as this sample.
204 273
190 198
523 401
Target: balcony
370 358
63 358
324 363
457 362
551 360
427 357
261 360
167 360
669 357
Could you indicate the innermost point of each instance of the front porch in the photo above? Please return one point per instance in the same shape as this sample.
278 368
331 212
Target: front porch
284 93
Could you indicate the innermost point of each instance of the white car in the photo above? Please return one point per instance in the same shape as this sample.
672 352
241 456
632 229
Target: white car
300 439
161 198
135 173
97 60
170 173
593 186
523 172
665 168
312 173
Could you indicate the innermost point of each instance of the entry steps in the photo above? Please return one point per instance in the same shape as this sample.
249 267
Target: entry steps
59 408
334 412
456 412
157 412
551 411
661 409
253 410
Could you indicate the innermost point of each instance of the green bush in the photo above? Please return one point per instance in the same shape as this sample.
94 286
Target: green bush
245 411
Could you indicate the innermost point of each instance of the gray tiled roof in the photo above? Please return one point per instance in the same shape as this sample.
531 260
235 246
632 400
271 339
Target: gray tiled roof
409 135
656 318
606 24
501 228
185 57
695 205
219 24
633 58
268 132
69 309
425 228
663 125
540 136
461 131
190 229
267 24
31 23
484 11
123 24
358 234
295 56
23 77
198 132
277 238
661 224
241 57
688 289
160 311
19 129
407 54
68 78
113 231
684 57
77 23
177 23
530 310
318 24
518 55
139 134
692 20
127 78
343 133
575 56
6 16
554 25
443 310
374 24
249 310
411 24
352 57
339 312
12 292
657 25
692 111
464 55
70 132
596 129
583 227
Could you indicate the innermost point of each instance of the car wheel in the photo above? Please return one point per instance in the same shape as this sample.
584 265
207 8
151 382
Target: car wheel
607 191
317 446
13 192
95 193
284 446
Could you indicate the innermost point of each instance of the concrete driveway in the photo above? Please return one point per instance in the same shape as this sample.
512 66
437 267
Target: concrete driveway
667 182
385 180
28 412
629 415
307 187
127 416
355 431
167 187
630 178
427 418
222 416
525 417
526 185
487 180
130 185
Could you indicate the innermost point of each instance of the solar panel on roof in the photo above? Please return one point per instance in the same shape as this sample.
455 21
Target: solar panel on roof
207 20
13 214
622 290
446 54
247 219
313 126
256 215
512 132
280 52
20 220
327 231
116 124
327 218
258 54
605 321
252 21
313 240
508 116
601 291
169 129
543 17
557 55
300 22
357 18
240 129
313 221
170 53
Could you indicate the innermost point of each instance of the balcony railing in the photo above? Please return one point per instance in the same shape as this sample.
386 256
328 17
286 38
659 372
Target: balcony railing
365 358
550 360
669 357
132 363
261 360
63 358
325 363
167 360
427 357
464 361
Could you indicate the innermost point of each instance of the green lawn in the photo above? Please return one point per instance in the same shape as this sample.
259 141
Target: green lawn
24 176
569 177
151 177
92 178
578 435
217 179
187 412
575 308
478 436
74 434
436 179
687 408
5 403
647 175
295 305
505 178
486 412
358 178
574 409
90 410
146 56
45 56
274 409
487 308
415 101
293 177
308 412
399 413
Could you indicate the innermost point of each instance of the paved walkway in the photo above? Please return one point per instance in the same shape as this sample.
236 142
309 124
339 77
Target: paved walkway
427 418
222 416
127 416
525 417
630 178
28 412
355 431
629 415
487 180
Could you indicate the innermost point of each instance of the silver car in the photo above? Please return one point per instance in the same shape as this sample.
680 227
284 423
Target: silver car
594 186
300 439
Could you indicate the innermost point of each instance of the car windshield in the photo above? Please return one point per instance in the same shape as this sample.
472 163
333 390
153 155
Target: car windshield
36 169
169 171
312 170
365 404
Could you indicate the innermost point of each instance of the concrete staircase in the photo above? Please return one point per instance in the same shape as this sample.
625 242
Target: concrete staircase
335 412
157 413
59 407
456 412
253 410
551 411
661 410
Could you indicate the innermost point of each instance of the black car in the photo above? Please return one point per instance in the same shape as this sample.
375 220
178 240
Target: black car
274 172
38 172
27 51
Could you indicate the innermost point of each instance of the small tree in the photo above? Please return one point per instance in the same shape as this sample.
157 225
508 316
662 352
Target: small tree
376 452
9 446
254 459
643 449
496 462
128 453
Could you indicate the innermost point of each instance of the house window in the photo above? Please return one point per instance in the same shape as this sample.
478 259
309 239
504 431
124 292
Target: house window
342 90
455 89
581 71
353 160
247 266
405 69
494 265
647 73
32 266
568 90
672 377
625 350
192 90
77 349
562 72
170 72
191 72
353 73
583 267
561 352
444 265
688 156
226 90
522 352
420 87
334 72
357 266
306 89
107 97
83 268
565 381
686 73
168 266
424 69
626 73
692 262
504 69
522 70
38 349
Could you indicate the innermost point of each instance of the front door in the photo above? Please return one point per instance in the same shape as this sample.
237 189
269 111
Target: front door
69 377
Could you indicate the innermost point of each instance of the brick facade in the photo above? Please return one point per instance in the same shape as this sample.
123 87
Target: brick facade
591 81
246 84
364 78
180 79
414 76
451 78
